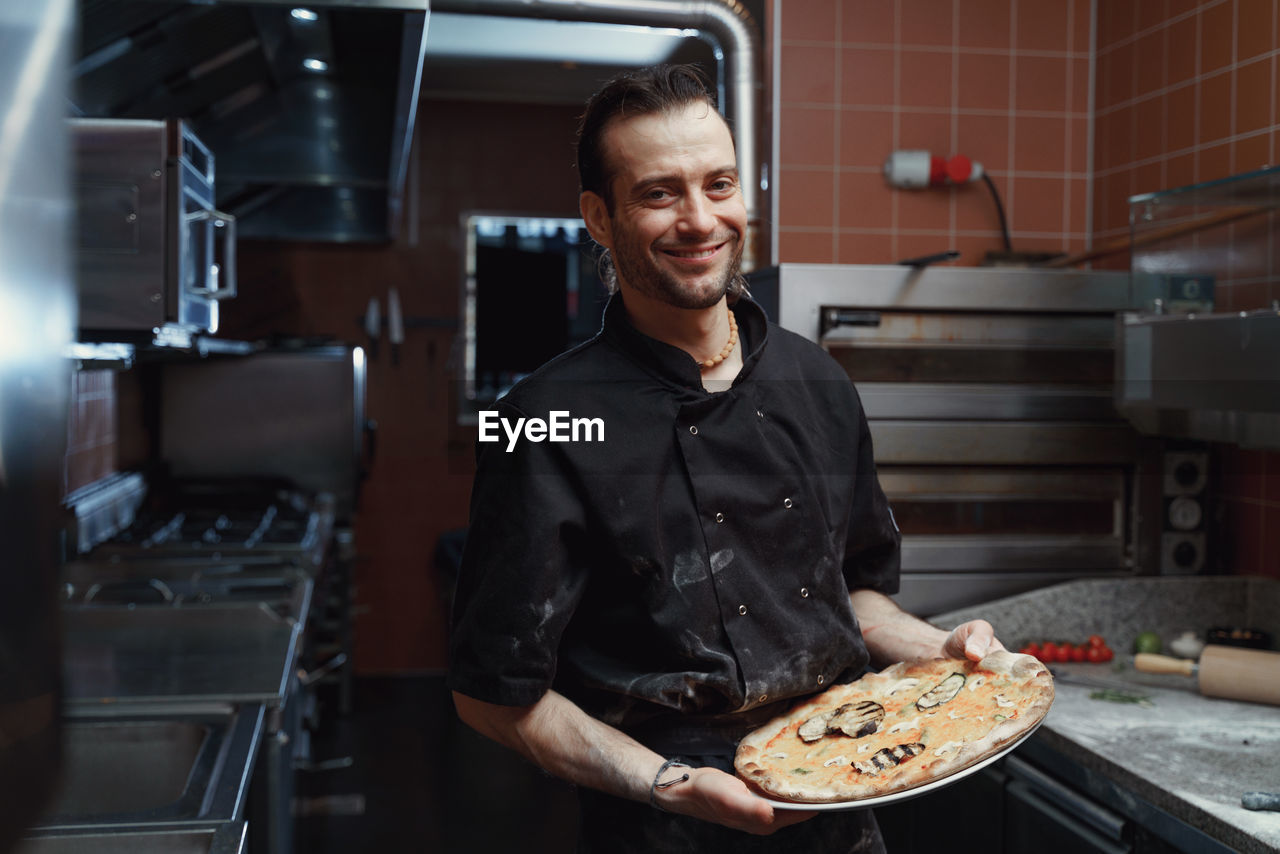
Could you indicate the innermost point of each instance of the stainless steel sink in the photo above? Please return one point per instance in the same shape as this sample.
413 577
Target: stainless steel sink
127 766
141 766
223 839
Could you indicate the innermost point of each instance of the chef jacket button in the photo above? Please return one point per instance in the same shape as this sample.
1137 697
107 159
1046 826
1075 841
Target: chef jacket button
763 697
786 502
719 517
742 609
760 413
804 592
821 679
693 428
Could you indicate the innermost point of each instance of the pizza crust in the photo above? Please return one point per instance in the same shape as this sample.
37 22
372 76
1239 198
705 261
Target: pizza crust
920 739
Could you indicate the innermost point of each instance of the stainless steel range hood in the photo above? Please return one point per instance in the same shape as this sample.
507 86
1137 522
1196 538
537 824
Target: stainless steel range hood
309 110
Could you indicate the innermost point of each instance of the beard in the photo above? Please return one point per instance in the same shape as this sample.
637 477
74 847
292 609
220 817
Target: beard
636 266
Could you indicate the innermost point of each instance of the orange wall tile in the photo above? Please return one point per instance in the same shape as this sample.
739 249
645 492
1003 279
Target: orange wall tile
1187 92
1249 490
1185 96
1005 82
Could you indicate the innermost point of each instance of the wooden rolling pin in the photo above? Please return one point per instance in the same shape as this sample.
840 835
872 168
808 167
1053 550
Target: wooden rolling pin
1229 672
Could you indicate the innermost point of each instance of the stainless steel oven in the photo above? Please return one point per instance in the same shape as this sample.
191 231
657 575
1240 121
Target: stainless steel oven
154 256
989 398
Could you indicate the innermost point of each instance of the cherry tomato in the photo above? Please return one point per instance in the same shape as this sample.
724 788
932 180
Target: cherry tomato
1031 649
1096 641
1078 653
1107 654
1048 652
1095 654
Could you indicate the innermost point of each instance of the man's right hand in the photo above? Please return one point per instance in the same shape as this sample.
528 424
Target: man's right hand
712 795
563 740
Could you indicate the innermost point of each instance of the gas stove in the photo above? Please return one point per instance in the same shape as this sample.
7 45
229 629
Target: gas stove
231 522
281 586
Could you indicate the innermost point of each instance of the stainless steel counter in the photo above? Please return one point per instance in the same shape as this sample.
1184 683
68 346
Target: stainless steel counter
226 839
150 647
1185 756
232 654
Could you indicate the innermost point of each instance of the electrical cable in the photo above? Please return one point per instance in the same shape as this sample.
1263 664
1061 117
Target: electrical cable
1004 224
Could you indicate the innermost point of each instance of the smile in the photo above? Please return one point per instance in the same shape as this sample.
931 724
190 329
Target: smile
693 254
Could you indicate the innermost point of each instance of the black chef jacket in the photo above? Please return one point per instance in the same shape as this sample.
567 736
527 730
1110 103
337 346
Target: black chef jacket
695 562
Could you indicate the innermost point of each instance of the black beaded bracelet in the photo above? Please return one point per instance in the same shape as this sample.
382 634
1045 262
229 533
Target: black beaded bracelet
653 790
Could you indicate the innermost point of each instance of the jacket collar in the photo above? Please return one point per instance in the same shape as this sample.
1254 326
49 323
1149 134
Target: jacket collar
673 365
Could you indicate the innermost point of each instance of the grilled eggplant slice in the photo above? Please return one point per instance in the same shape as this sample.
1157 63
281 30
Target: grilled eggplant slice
815 728
852 719
857 719
888 758
943 692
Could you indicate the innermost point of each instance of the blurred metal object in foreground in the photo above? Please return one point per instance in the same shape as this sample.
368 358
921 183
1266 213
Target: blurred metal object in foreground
36 322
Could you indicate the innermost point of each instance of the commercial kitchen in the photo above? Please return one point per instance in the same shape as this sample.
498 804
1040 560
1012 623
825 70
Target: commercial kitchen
258 278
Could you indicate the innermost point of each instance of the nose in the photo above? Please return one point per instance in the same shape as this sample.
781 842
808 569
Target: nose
697 215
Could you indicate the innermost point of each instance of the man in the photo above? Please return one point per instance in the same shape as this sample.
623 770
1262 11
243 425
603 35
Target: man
724 551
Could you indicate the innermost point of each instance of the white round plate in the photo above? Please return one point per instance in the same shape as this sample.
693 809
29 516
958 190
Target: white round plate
905 794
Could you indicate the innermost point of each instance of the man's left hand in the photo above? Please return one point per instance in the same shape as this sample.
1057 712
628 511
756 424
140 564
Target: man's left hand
973 640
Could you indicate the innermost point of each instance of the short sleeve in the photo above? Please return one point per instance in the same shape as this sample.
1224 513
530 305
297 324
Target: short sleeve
517 586
873 548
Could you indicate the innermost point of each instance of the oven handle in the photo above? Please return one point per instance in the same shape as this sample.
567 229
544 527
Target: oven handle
226 224
834 317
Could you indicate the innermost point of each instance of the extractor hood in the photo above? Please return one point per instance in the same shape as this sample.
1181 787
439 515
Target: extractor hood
308 109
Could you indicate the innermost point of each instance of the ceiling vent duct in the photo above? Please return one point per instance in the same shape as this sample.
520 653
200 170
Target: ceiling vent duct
308 109
725 24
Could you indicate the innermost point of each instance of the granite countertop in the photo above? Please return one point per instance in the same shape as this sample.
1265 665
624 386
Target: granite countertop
1189 755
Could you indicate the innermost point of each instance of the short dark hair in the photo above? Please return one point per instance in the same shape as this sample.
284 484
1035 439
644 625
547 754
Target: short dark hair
657 89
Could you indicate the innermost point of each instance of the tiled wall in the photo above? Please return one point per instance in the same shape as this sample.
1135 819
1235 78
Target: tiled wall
91 429
1188 92
1005 82
1249 497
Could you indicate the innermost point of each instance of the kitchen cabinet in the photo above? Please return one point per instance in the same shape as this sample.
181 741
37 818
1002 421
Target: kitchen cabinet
1038 800
933 822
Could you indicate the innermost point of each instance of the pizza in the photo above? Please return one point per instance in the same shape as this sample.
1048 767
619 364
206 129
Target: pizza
910 724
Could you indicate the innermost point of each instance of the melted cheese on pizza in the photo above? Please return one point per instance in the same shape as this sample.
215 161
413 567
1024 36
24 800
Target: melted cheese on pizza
927 721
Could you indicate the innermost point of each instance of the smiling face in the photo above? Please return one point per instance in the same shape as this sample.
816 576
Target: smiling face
678 222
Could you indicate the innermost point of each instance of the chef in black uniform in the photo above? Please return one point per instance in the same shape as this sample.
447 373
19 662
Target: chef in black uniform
676 527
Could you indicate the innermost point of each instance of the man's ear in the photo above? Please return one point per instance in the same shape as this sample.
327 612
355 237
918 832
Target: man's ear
595 213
